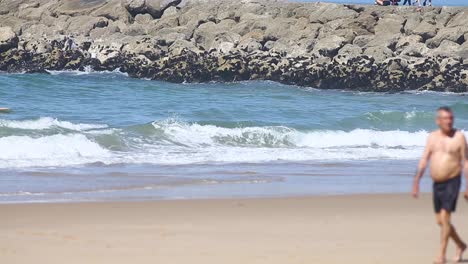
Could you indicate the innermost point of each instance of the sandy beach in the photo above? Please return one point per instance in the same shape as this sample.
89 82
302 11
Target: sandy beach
337 229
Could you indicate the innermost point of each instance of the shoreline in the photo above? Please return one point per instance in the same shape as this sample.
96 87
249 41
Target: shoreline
279 230
187 183
321 45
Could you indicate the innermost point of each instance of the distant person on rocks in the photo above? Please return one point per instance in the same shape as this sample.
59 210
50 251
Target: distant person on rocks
430 3
424 3
382 2
407 1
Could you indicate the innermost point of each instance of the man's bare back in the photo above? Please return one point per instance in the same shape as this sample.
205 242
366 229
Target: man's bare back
446 158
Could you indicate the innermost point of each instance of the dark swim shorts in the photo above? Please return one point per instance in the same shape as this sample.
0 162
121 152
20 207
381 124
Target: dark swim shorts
445 194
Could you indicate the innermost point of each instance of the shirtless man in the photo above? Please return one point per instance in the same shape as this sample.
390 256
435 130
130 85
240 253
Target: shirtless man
448 153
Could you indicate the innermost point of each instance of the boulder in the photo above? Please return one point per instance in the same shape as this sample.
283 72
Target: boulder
108 48
8 39
38 46
134 7
143 19
459 20
348 52
408 41
249 45
424 29
328 12
97 33
32 11
112 10
76 8
362 40
134 30
390 24
207 33
455 34
328 47
170 11
412 22
142 46
463 52
181 46
379 54
221 40
446 48
153 7
417 49
82 25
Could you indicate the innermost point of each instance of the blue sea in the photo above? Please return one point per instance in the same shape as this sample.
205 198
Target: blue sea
86 136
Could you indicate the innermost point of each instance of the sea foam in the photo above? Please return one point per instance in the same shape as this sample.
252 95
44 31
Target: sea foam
48 123
176 142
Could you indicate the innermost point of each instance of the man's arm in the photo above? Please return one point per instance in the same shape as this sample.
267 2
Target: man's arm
422 166
464 160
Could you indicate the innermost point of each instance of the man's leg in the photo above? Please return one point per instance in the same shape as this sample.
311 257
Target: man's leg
448 231
441 258
461 246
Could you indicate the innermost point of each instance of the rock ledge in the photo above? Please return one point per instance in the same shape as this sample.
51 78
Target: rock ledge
322 45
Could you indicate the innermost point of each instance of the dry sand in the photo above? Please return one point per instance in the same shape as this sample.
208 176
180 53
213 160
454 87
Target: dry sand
341 229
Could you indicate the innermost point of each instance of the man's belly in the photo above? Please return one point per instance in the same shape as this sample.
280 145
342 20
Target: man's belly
444 166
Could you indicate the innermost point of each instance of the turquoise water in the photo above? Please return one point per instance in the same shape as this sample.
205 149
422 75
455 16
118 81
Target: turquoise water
98 136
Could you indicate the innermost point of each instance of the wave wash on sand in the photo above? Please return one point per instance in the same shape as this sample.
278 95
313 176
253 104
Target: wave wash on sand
322 45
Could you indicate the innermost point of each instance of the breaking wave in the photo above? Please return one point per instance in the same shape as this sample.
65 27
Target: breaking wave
47 123
176 142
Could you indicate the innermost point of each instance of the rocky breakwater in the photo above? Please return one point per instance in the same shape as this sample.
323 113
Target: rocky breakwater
321 45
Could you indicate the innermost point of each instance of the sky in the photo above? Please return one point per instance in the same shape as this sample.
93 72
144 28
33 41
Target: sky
434 2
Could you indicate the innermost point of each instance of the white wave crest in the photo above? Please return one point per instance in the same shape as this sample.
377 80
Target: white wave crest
47 123
56 150
209 135
184 143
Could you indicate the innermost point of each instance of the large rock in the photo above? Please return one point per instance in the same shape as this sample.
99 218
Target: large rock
249 45
209 35
446 49
348 52
455 34
82 25
328 12
424 29
390 24
459 20
112 10
328 46
181 46
8 39
32 11
78 7
153 7
463 51
417 49
378 53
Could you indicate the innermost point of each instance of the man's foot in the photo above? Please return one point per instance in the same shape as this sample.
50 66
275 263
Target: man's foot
459 257
440 260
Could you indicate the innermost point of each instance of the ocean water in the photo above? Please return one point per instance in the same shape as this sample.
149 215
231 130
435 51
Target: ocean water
84 136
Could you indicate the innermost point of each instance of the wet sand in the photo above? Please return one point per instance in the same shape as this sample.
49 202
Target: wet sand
334 229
